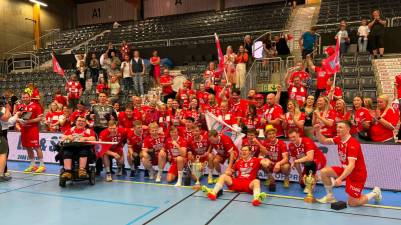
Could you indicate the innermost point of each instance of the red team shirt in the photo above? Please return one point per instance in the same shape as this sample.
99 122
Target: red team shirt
30 132
298 93
328 131
272 113
360 116
275 150
75 132
119 137
356 179
199 147
255 149
378 132
398 83
289 119
52 118
155 145
73 88
304 147
172 151
321 78
223 146
247 171
135 140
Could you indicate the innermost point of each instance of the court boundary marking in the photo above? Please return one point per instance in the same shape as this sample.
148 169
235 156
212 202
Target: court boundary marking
222 209
171 185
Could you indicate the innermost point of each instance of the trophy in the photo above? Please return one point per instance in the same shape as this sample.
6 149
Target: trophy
197 171
309 183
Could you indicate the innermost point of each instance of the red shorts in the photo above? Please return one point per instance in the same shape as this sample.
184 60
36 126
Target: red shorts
173 169
240 185
353 186
30 137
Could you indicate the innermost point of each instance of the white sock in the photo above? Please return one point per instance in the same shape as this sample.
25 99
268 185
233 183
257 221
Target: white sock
32 162
210 172
371 195
217 188
179 178
107 169
159 173
329 190
256 192
41 162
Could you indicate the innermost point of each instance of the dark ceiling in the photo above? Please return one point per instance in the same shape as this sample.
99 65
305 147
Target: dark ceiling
85 1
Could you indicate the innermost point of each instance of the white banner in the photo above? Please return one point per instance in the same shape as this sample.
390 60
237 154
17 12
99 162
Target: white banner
214 123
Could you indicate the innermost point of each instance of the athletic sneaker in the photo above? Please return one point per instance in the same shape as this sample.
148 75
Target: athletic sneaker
82 174
158 178
286 183
66 175
209 193
132 174
30 169
178 184
40 169
119 171
108 177
327 199
152 174
5 178
269 180
259 199
378 193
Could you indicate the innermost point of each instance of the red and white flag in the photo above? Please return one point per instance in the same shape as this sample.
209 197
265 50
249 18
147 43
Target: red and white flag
220 67
56 67
332 63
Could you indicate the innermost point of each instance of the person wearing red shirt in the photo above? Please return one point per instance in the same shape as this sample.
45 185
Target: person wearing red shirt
60 99
324 116
80 111
154 152
186 131
293 119
238 106
253 143
303 150
194 111
241 60
360 119
211 74
246 168
260 105
276 154
77 134
251 120
135 137
272 114
202 95
384 122
53 118
101 86
29 127
297 71
185 90
221 148
112 134
340 110
212 106
296 91
126 119
65 119
124 49
352 169
74 90
397 90
332 92
225 114
176 148
198 146
321 77
166 82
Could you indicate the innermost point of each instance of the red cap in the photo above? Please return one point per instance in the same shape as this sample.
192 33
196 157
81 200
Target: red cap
330 50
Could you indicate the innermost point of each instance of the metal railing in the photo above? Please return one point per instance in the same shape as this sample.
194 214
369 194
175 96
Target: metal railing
45 40
393 20
24 60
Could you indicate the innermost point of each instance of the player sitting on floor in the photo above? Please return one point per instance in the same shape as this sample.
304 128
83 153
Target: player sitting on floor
135 138
112 134
241 177
352 170
276 155
302 150
223 149
176 147
77 134
154 152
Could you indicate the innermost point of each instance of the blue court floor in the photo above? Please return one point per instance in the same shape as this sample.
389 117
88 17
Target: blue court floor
37 199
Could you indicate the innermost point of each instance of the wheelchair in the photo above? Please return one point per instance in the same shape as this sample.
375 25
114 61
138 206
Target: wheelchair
90 165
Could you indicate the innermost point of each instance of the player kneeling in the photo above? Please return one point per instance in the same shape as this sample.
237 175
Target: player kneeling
246 168
176 147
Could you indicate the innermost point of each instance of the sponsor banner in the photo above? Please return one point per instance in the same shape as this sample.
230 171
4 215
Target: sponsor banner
382 160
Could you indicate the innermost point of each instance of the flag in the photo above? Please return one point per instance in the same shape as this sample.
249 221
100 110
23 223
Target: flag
214 123
332 63
56 67
220 67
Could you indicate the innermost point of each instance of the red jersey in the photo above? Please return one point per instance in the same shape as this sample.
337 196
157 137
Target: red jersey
275 150
125 122
298 93
378 132
119 137
199 147
102 87
135 140
252 123
301 74
76 114
351 149
73 88
272 113
306 145
35 110
61 100
328 131
360 116
53 118
171 149
215 110
77 133
194 114
154 144
202 97
255 149
321 78
289 119
247 169
398 83
227 118
165 79
238 109
67 125
184 132
224 145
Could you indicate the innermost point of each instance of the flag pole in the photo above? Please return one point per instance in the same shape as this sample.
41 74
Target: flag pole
339 60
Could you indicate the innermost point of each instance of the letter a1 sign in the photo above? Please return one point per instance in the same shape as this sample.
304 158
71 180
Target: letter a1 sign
96 13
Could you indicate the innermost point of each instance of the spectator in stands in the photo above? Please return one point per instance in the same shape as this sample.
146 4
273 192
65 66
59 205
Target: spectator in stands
363 32
341 113
397 90
65 119
60 99
368 102
240 70
81 73
384 122
166 82
126 72
293 119
80 58
297 91
307 42
361 119
116 107
308 110
343 33
115 89
321 77
211 76
74 91
283 51
110 49
94 67
324 116
105 62
333 92
269 50
248 47
375 37
229 62
53 118
138 70
102 86
116 25
298 71
155 62
115 59
124 49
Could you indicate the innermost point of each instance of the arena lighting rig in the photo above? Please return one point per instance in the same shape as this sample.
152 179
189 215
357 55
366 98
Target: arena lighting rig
38 2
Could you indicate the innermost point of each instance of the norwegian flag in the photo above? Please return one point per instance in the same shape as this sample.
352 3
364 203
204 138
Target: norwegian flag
220 67
56 67
332 63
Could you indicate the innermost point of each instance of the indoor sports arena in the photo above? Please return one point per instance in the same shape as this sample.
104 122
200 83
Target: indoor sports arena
192 112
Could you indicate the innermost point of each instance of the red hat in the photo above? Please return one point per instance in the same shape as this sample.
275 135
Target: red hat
259 96
330 50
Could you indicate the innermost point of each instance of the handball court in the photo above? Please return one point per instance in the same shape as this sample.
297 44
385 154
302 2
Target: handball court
37 199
